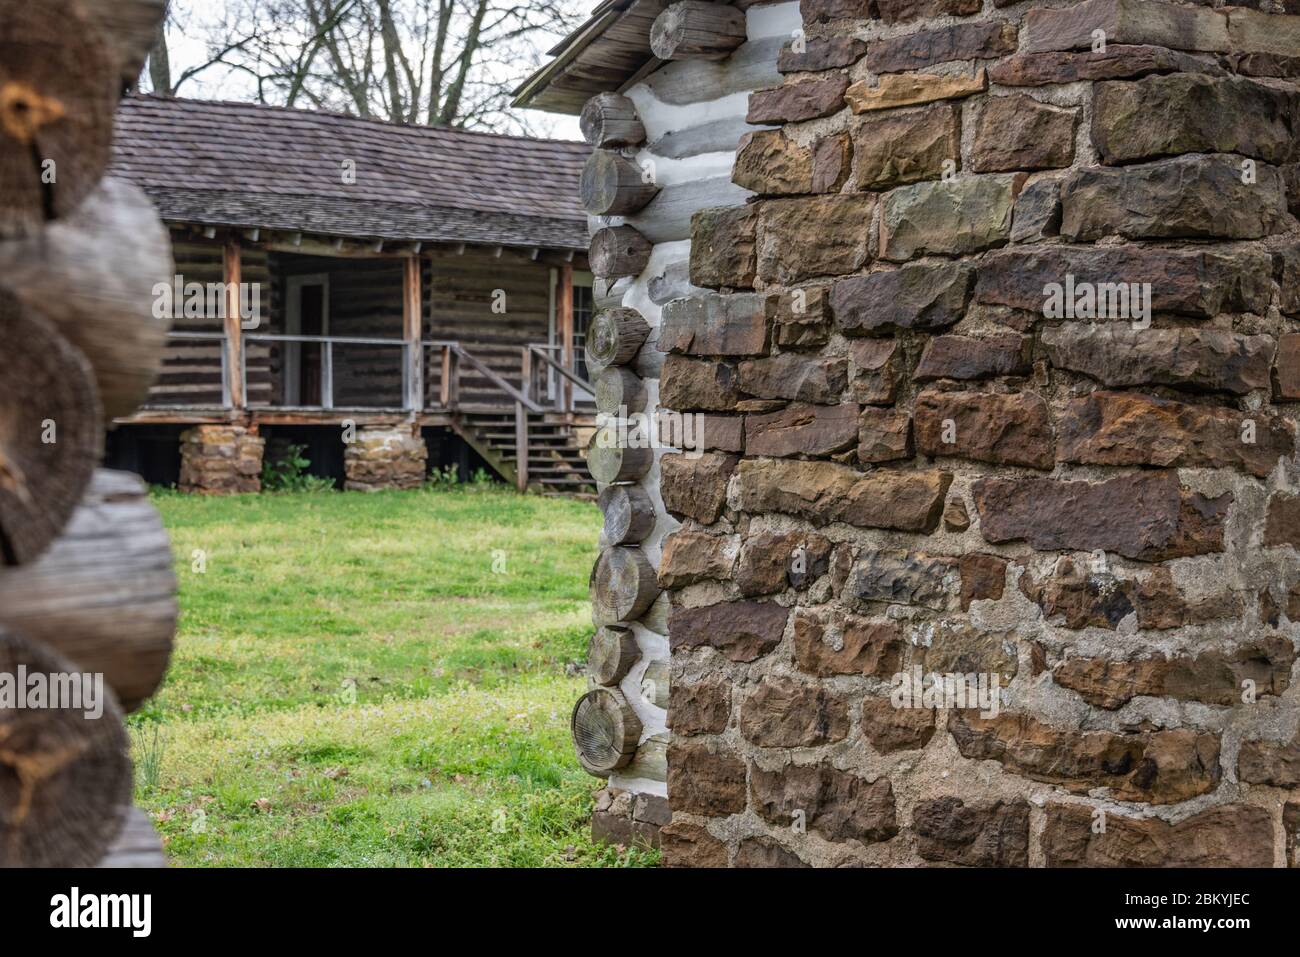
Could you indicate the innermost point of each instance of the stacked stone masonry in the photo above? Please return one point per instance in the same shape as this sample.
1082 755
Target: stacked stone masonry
937 443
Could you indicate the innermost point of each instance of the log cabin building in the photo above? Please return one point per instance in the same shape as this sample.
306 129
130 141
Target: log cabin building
400 298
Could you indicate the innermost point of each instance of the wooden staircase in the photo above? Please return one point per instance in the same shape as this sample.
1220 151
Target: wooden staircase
556 463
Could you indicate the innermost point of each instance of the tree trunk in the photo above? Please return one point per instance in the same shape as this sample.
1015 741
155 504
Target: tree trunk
92 276
51 431
104 594
65 777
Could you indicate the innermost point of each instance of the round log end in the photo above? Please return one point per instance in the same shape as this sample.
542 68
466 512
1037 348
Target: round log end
629 514
605 731
623 586
58 95
51 431
611 652
620 391
65 775
694 29
610 459
618 251
610 120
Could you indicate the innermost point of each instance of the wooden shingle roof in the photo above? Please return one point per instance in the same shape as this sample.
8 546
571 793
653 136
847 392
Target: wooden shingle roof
250 166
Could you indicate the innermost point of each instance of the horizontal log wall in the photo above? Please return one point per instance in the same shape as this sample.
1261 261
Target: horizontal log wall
191 370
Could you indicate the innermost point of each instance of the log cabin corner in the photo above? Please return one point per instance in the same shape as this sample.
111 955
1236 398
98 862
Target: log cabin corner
393 298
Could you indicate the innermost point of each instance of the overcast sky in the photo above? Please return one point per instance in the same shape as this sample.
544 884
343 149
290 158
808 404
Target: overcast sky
187 46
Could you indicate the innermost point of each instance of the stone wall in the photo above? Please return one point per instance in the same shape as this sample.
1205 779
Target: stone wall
221 459
939 444
385 457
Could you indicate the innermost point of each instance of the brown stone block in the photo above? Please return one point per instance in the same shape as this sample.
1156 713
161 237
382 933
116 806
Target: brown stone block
1228 836
987 427
872 648
826 235
784 713
838 805
983 834
1159 767
705 780
1145 516
695 485
890 729
1123 428
823 492
740 630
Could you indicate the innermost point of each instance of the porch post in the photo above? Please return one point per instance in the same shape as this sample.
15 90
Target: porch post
564 307
412 316
230 274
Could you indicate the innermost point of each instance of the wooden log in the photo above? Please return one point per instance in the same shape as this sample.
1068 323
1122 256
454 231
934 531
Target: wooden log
618 251
656 619
51 431
137 846
629 514
605 731
623 585
620 391
610 120
613 185
609 460
615 337
611 652
697 30
104 594
750 67
93 275
129 28
655 684
57 98
668 218
65 775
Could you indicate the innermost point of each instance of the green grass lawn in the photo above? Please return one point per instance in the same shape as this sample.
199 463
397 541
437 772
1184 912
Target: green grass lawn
374 680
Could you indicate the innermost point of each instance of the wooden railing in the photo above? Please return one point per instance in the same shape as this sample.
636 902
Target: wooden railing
544 384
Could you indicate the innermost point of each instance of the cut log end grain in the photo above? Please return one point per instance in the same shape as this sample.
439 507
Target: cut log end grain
104 593
615 337
58 94
65 777
609 460
623 586
620 391
613 185
51 431
93 276
610 120
629 514
697 30
611 652
618 251
605 731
